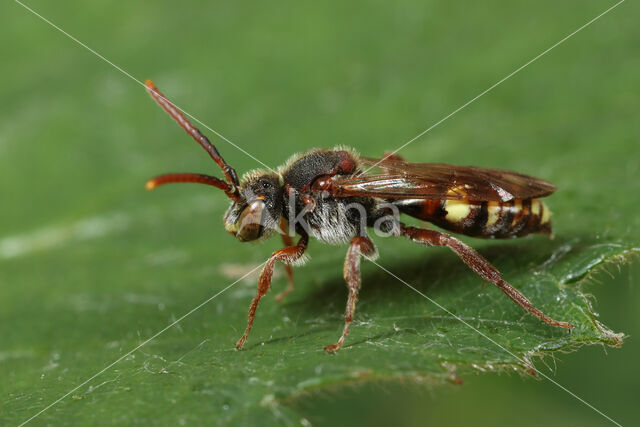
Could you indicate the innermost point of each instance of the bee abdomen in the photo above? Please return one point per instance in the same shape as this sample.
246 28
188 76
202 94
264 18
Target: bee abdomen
484 219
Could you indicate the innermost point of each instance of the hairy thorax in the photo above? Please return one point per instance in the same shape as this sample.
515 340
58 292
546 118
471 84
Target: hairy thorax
331 220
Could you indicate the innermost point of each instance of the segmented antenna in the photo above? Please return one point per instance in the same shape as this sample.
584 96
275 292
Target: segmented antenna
230 187
198 178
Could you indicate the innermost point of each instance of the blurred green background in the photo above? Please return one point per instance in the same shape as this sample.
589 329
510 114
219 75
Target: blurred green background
90 264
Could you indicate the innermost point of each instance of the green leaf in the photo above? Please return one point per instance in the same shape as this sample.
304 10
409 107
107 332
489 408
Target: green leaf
91 266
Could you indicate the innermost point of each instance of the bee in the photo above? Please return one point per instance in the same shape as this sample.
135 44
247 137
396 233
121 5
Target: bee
330 194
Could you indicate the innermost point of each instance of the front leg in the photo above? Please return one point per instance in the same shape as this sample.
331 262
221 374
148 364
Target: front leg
287 255
480 266
359 246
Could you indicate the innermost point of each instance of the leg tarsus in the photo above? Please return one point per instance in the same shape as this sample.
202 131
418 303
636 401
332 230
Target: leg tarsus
480 266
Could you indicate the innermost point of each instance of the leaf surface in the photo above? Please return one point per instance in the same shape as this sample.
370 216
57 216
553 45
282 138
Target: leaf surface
91 266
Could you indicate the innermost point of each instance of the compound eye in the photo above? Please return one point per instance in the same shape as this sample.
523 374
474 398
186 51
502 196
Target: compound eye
249 225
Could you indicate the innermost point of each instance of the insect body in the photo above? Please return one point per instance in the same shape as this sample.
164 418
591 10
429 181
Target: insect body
513 218
331 196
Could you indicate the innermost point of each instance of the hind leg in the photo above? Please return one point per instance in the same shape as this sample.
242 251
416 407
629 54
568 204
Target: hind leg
481 266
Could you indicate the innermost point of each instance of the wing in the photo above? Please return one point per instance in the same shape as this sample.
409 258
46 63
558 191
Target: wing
406 180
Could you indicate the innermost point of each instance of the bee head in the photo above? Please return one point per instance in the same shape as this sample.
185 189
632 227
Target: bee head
256 201
256 213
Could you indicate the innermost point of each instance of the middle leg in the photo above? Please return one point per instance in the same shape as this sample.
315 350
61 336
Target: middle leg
288 241
359 246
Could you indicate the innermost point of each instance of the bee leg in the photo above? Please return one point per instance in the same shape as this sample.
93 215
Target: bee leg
282 295
287 255
480 266
359 246
288 241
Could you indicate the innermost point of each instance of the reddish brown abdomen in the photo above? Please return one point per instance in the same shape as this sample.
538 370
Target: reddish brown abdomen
483 219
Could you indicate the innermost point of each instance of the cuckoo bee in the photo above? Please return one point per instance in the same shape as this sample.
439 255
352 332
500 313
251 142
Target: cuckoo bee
331 195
